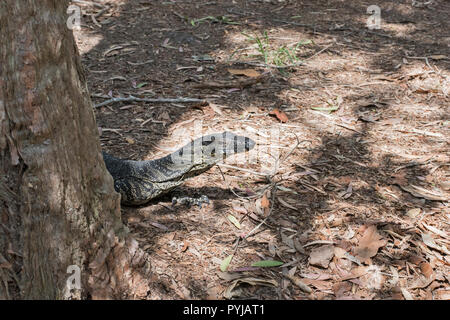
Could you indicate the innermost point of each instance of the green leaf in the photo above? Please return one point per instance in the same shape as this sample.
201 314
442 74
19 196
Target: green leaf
307 41
225 263
234 221
326 109
140 85
267 263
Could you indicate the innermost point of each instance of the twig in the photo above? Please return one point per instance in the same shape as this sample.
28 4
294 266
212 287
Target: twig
266 65
426 61
239 196
298 282
94 20
231 84
348 127
320 51
318 242
132 98
116 131
139 63
278 162
379 34
98 14
294 23
242 169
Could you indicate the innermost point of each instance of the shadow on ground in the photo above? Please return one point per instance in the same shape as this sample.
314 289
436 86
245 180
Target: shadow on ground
349 171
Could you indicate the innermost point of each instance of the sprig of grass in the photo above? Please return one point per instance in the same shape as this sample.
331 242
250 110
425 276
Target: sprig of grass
280 56
262 43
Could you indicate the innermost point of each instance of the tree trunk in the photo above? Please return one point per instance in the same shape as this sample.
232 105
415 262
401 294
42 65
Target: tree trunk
58 208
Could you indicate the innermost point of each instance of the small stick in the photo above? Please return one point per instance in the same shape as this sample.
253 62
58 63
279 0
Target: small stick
132 98
242 169
320 51
265 65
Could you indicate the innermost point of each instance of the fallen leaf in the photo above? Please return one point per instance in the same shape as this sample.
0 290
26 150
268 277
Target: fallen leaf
369 244
265 202
234 221
373 279
217 109
396 293
445 185
287 240
245 72
339 252
424 90
415 259
227 276
272 248
225 263
239 209
340 288
157 225
420 282
420 192
231 291
355 273
319 284
140 85
195 252
436 231
13 151
333 105
130 140
442 294
185 246
316 276
395 277
287 205
438 57
299 283
321 256
280 115
413 213
244 269
267 263
406 294
429 241
165 116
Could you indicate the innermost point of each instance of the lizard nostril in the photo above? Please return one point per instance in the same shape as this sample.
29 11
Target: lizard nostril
249 144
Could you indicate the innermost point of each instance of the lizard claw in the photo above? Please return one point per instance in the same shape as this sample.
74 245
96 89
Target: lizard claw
189 201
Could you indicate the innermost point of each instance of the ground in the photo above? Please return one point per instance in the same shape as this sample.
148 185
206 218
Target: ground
348 186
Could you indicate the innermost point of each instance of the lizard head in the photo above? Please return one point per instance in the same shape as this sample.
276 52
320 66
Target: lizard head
222 145
212 148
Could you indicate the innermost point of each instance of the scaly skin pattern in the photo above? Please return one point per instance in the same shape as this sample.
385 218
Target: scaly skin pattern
140 181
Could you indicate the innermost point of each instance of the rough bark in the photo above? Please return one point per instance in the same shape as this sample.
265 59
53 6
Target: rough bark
58 206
